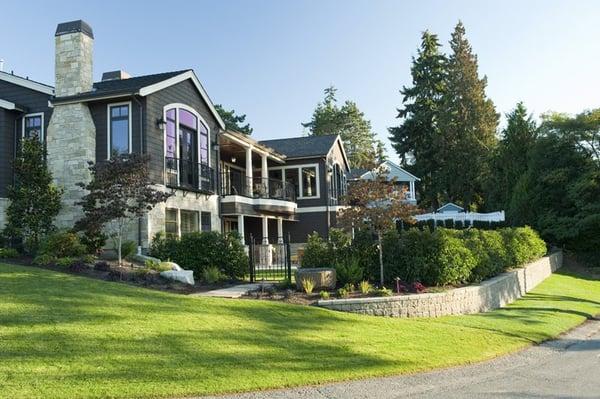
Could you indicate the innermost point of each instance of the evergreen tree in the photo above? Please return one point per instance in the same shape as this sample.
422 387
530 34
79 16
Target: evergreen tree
510 159
34 201
417 137
362 147
233 121
468 123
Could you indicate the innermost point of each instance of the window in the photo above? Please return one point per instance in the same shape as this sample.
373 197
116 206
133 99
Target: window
171 225
186 145
189 221
205 220
33 126
291 176
119 129
309 182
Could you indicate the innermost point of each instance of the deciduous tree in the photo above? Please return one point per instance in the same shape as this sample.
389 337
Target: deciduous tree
119 192
375 205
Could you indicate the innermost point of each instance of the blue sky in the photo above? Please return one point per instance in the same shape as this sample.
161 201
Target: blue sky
272 59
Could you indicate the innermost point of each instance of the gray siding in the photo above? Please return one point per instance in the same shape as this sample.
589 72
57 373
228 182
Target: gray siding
34 102
185 93
99 111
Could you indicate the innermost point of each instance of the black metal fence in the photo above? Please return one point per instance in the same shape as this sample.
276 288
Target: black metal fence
194 176
270 261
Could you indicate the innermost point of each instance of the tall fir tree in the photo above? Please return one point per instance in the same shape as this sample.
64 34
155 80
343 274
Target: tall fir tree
234 121
34 200
510 159
468 122
417 137
362 146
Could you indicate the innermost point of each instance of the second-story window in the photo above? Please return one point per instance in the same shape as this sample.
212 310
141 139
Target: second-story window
119 132
33 126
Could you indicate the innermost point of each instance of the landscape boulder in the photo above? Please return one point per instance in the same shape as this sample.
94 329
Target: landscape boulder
184 276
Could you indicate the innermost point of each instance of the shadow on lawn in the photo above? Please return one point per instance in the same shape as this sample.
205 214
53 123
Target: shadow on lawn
112 334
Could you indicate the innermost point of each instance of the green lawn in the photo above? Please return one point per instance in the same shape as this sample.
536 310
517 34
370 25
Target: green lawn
63 336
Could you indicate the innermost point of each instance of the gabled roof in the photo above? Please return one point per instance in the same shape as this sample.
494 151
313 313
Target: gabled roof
450 207
302 147
142 86
368 174
27 83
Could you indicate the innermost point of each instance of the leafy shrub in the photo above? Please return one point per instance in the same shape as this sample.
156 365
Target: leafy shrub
8 253
94 240
102 266
128 248
365 287
324 294
418 287
349 287
343 293
523 245
198 251
77 266
317 252
383 292
308 285
211 275
447 257
44 260
62 244
348 271
66 261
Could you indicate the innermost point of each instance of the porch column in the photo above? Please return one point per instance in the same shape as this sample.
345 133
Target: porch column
240 220
249 171
412 190
264 173
280 230
265 230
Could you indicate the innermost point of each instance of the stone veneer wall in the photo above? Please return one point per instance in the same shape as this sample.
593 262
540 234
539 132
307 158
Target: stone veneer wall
490 294
71 138
155 219
3 206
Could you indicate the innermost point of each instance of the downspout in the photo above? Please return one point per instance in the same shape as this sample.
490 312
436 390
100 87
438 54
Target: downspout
139 250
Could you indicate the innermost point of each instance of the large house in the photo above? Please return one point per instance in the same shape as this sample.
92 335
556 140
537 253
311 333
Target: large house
393 173
221 180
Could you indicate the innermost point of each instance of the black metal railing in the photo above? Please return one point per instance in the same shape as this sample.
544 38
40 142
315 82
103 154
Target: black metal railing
188 175
235 182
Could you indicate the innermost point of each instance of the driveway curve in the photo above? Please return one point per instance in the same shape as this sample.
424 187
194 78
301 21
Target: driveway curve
566 368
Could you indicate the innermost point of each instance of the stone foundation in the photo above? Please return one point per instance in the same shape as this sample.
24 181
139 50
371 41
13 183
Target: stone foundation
3 206
490 294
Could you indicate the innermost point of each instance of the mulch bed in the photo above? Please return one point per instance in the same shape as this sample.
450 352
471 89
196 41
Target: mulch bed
128 274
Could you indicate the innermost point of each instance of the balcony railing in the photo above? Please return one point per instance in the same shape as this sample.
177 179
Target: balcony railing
237 183
188 175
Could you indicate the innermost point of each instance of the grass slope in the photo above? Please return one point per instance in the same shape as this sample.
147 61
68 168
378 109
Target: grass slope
63 336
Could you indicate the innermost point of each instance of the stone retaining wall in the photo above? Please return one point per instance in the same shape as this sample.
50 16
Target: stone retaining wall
490 294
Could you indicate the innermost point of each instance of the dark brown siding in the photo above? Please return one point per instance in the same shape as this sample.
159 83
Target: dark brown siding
184 93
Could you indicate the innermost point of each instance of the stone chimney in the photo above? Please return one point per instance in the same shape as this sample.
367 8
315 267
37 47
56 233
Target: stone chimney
71 138
74 43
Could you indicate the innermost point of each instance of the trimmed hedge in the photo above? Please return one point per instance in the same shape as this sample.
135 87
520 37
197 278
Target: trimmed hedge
450 257
203 250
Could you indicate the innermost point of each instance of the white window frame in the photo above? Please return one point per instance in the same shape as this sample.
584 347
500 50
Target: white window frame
300 184
42 135
108 126
178 106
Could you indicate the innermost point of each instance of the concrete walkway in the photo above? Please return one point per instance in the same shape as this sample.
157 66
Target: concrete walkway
567 368
234 291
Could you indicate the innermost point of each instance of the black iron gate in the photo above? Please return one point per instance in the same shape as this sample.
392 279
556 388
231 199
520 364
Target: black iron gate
270 260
